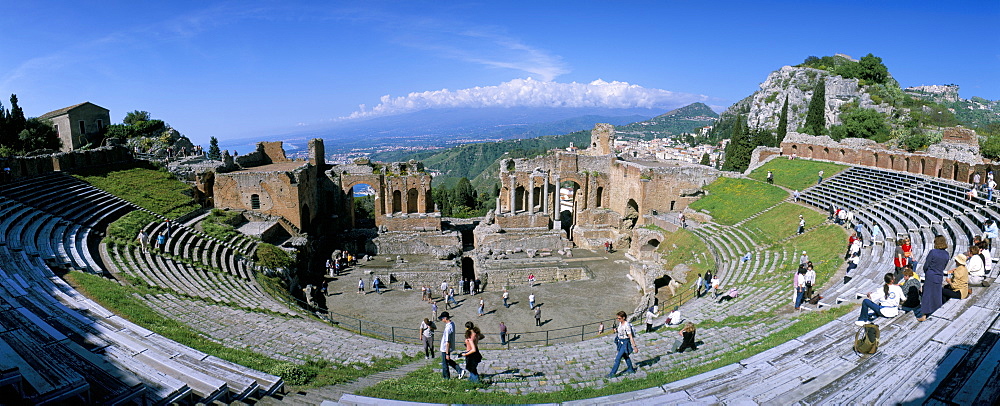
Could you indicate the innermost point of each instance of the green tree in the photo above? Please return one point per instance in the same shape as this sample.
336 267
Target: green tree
872 69
270 256
463 196
782 123
136 116
13 125
815 116
862 123
739 148
38 134
213 149
706 159
990 148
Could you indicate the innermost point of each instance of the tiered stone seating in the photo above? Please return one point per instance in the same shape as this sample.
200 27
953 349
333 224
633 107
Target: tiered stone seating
64 347
820 366
193 281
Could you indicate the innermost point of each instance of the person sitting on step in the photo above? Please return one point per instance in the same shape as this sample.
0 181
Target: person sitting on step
881 303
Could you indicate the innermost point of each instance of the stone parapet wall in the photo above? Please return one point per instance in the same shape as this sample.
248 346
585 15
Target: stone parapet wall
500 278
441 246
956 159
523 220
410 222
38 165
489 238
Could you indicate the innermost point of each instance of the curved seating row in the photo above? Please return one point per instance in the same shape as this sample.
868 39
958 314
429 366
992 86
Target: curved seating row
58 346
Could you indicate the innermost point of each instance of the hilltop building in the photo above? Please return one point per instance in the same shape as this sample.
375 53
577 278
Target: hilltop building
76 122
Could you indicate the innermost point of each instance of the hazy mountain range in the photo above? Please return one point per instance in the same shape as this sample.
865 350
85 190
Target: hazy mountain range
437 128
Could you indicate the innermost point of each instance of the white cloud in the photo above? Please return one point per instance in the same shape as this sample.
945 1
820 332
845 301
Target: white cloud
533 93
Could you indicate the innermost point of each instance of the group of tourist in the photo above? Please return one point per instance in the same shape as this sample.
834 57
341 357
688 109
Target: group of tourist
978 186
903 290
338 262
708 283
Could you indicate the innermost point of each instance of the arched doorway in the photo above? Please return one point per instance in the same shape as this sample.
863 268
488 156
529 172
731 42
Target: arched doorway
397 201
631 215
468 268
650 245
600 196
519 199
361 206
411 200
568 191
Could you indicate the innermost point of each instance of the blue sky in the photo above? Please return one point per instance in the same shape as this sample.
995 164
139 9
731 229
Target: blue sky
252 68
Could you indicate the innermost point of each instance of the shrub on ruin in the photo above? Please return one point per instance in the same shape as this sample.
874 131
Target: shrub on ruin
292 374
270 256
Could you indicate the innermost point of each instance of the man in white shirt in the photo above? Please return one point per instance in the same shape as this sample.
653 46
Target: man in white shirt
674 317
447 345
882 302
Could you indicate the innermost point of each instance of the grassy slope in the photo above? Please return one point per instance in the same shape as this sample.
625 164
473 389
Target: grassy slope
796 174
683 247
154 190
122 301
780 222
730 200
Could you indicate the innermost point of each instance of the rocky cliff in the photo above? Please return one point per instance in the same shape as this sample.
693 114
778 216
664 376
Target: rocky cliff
797 84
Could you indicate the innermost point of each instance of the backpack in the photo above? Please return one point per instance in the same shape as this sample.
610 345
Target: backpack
866 339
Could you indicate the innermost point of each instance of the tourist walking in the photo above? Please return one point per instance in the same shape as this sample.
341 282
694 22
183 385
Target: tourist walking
716 283
538 316
482 308
451 297
506 296
802 225
471 354
708 281
434 309
444 288
531 301
361 286
625 342
934 264
799 281
447 345
770 178
698 285
161 241
377 284
820 180
810 281
688 335
650 316
427 337
144 240
503 334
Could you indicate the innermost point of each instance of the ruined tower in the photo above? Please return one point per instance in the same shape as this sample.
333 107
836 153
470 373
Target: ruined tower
601 139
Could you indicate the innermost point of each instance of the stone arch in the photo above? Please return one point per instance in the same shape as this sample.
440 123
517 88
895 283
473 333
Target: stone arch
795 149
536 199
631 215
651 245
397 201
907 160
841 156
826 153
923 166
412 198
809 149
428 201
875 163
892 162
600 196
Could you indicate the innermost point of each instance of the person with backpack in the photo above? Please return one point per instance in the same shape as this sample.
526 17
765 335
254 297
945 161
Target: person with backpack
471 354
625 342
881 303
427 337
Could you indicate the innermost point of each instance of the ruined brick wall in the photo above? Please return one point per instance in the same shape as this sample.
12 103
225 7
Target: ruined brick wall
291 195
955 158
38 165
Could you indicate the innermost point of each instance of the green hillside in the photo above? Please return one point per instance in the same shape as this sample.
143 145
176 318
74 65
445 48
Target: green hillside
686 119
